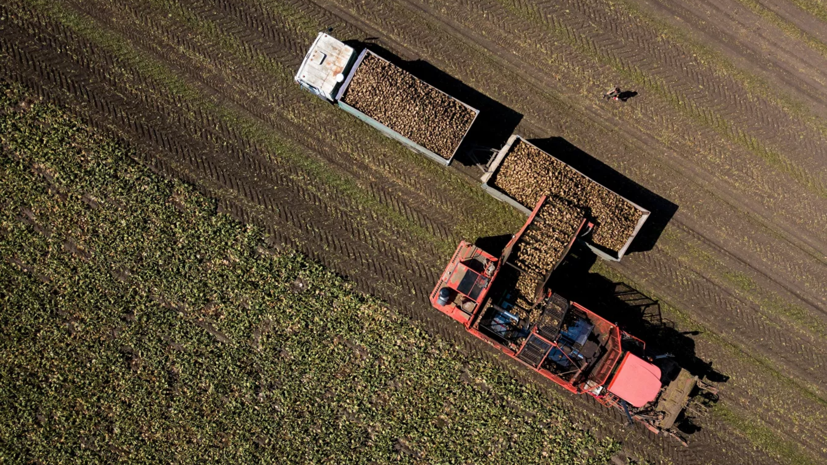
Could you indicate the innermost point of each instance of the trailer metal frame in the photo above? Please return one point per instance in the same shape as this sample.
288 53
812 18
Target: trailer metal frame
494 166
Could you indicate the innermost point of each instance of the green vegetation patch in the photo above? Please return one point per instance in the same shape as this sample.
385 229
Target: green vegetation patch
763 437
138 324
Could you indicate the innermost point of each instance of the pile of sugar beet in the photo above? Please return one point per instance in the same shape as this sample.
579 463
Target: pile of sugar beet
545 240
543 245
527 173
409 106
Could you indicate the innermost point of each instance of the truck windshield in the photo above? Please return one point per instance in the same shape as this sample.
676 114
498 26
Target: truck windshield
472 284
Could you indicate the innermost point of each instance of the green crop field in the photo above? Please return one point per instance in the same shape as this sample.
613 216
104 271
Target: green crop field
139 324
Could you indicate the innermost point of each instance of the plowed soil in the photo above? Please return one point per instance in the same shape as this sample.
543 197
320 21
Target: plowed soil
725 142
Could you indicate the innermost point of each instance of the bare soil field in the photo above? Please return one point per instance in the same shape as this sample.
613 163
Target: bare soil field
725 142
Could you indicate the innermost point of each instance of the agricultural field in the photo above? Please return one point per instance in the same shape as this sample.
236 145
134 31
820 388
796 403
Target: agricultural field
725 143
140 325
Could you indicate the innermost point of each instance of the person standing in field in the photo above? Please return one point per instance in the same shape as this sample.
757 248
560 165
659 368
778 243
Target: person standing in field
613 94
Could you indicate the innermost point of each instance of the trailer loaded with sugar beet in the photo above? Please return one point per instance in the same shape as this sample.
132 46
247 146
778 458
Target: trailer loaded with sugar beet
385 96
508 302
433 123
521 173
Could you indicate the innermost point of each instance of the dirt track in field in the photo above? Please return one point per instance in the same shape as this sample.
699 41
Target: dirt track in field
725 142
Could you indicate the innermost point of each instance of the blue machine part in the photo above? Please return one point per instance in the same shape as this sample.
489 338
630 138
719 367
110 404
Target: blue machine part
505 325
578 332
444 296
501 322
557 356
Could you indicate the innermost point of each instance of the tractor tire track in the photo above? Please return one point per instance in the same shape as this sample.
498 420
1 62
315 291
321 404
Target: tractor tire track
176 140
764 252
256 87
227 133
168 144
313 241
743 166
398 33
721 94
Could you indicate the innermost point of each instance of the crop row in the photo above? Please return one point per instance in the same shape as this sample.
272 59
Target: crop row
140 325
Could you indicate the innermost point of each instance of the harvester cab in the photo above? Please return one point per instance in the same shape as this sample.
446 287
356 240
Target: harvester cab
653 390
636 382
465 282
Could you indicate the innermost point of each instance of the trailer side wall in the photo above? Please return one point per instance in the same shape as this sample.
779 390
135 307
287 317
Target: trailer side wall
391 132
494 166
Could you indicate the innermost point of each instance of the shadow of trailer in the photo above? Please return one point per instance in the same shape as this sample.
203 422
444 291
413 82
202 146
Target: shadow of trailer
494 124
332 68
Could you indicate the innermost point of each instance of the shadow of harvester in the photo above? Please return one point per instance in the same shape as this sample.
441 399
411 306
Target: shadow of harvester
639 315
632 310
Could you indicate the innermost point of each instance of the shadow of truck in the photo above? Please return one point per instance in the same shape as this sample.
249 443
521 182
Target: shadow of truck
495 123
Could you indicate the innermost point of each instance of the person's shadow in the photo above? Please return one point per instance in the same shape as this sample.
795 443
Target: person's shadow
626 95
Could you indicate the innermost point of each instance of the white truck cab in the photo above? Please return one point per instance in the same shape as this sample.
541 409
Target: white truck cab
325 66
